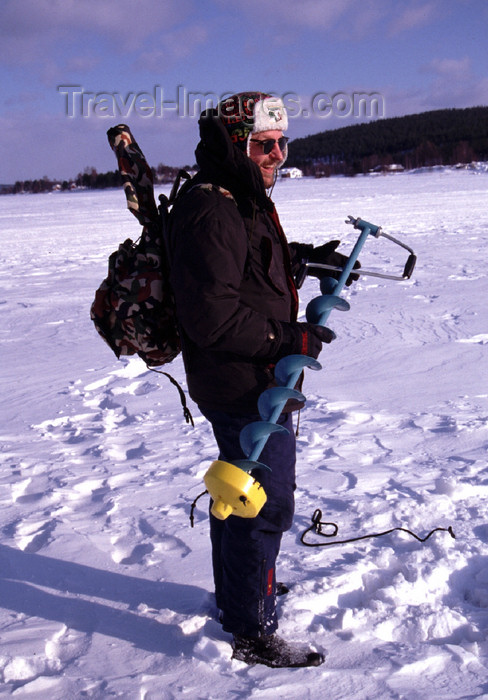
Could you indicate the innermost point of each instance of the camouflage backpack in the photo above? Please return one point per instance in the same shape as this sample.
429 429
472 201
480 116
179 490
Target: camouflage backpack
133 309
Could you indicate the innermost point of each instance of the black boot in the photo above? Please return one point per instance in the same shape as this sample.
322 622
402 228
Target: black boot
273 651
281 588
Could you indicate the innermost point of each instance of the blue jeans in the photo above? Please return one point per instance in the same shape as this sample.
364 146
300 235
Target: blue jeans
244 550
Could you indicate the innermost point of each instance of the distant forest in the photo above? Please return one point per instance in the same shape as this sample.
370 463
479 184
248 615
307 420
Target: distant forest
88 179
441 137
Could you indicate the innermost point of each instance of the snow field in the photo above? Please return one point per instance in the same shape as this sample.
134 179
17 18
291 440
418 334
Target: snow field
105 590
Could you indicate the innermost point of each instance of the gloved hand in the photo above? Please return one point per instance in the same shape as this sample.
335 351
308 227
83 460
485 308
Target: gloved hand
302 339
327 255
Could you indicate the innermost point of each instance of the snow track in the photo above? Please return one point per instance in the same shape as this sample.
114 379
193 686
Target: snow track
105 590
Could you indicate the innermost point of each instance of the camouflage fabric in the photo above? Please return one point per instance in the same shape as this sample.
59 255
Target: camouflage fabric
134 309
136 175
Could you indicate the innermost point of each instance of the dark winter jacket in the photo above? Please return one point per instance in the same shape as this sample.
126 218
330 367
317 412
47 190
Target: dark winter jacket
232 276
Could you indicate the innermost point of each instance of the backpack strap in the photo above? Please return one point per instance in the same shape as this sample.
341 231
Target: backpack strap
182 175
186 411
165 203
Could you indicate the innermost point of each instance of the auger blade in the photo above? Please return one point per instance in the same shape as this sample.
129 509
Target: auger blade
248 465
276 397
290 365
252 434
324 303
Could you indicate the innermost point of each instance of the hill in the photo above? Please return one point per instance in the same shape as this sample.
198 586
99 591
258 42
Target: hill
440 137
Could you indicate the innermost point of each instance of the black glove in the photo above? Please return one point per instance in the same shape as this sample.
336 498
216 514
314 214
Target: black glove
302 339
327 255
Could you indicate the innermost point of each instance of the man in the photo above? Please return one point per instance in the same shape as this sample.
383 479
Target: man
232 272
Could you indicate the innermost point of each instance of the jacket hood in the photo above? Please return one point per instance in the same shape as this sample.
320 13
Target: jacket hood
225 164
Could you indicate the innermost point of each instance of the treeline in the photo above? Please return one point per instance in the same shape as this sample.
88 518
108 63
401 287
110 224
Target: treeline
441 137
88 179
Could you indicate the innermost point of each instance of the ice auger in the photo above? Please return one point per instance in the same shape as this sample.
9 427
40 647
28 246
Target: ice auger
233 489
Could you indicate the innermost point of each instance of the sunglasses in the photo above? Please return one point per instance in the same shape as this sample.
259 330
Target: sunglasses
268 144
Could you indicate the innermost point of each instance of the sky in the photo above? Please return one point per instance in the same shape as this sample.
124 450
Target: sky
71 69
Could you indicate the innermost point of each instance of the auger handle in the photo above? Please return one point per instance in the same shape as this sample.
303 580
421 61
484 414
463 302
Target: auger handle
366 229
376 231
409 266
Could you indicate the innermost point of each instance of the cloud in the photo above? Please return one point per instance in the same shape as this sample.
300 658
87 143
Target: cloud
82 63
454 69
30 27
172 46
346 19
454 83
413 17
307 13
311 13
23 100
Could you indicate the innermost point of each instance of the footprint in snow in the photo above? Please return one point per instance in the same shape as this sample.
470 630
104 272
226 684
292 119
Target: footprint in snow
34 537
60 650
137 555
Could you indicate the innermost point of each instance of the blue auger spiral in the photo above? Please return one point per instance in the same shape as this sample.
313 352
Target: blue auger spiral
254 436
231 488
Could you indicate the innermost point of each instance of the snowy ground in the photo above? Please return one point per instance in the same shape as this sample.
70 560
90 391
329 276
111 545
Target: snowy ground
105 590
